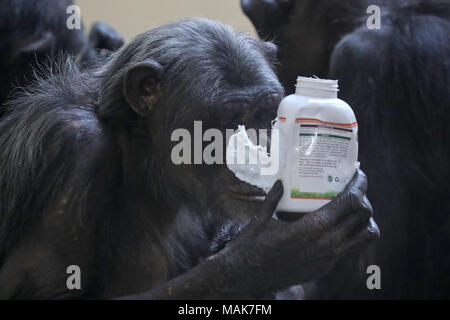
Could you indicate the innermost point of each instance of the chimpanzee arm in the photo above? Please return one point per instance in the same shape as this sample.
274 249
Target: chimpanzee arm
308 248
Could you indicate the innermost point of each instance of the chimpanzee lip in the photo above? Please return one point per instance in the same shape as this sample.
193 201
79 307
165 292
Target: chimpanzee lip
247 193
248 198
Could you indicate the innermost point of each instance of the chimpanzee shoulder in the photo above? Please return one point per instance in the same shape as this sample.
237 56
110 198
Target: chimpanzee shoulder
59 147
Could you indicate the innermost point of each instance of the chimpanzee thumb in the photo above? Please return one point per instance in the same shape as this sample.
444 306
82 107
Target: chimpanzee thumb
270 203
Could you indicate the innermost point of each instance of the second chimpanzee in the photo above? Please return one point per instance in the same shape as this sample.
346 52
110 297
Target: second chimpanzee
397 80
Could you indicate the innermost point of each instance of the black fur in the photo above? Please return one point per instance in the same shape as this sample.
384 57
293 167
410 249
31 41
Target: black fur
397 81
86 181
34 33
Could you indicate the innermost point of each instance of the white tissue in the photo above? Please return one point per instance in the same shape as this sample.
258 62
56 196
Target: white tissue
252 164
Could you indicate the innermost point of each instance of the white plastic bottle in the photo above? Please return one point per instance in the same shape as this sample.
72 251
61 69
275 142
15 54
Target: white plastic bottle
322 145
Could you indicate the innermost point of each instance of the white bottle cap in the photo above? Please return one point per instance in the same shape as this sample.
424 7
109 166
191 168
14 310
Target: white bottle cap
315 87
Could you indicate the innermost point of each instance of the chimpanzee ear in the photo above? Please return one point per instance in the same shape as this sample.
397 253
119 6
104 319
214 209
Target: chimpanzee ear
142 86
266 14
271 51
40 45
271 48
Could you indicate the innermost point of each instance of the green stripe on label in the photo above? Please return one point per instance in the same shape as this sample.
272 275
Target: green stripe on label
307 134
295 192
324 135
340 137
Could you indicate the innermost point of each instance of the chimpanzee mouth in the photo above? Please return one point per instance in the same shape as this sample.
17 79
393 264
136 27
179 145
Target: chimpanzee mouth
248 198
246 192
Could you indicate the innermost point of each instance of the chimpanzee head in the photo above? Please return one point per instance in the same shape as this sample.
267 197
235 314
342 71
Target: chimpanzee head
306 31
174 75
31 31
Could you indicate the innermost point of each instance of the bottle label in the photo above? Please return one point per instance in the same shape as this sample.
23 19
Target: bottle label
325 157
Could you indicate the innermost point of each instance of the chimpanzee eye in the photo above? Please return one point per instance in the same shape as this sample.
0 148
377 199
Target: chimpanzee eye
232 114
267 109
271 101
264 116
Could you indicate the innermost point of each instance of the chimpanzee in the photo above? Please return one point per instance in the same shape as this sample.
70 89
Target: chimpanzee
32 31
397 80
87 179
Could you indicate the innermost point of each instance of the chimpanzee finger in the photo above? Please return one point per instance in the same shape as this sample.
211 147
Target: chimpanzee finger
361 240
344 230
366 208
359 180
289 216
270 203
352 199
339 234
352 193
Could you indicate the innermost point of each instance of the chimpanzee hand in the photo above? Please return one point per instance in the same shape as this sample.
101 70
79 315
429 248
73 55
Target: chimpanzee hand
103 36
103 40
274 254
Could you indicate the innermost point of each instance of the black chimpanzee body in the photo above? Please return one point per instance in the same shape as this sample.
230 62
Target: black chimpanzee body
34 32
86 178
397 79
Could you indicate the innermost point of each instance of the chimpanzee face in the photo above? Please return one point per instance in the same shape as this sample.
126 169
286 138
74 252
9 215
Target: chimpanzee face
229 195
251 99
221 80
